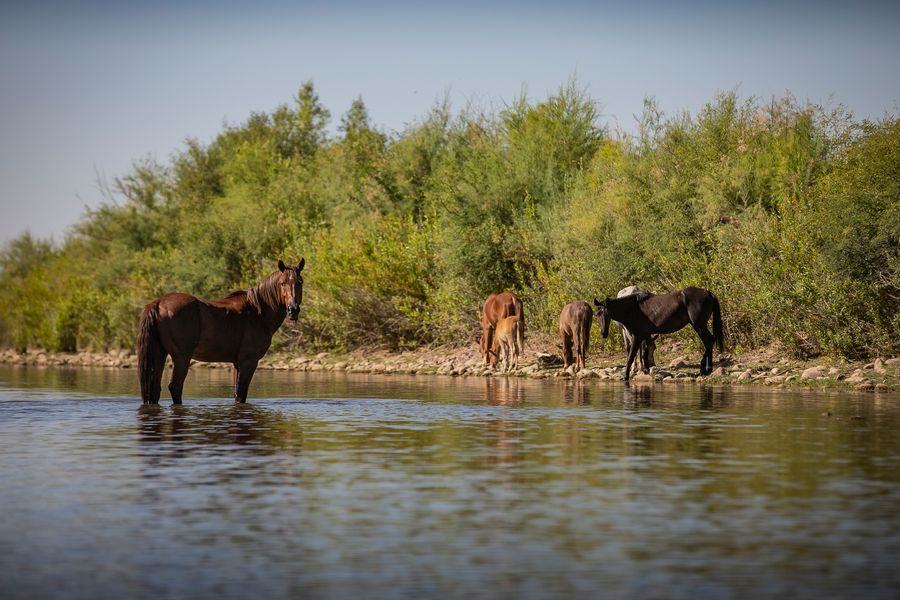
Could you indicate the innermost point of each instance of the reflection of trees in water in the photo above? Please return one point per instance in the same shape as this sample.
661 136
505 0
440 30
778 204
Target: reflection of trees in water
93 380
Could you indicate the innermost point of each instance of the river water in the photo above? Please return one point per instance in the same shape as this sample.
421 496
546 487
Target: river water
366 486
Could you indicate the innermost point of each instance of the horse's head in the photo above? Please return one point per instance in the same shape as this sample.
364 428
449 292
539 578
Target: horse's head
602 316
291 287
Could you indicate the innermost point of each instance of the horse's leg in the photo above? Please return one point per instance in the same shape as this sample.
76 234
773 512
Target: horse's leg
246 369
567 350
156 386
708 339
489 359
644 356
632 351
585 342
180 368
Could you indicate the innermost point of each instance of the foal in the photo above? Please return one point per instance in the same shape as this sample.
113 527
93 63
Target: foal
506 342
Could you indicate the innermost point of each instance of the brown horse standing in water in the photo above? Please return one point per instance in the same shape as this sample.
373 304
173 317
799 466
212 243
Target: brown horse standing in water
575 329
645 314
237 329
496 307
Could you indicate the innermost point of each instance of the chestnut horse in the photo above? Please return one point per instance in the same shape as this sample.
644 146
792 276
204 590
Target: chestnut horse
646 314
496 307
237 329
575 329
646 354
506 344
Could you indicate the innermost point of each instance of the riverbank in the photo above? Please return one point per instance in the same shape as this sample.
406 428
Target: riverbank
674 365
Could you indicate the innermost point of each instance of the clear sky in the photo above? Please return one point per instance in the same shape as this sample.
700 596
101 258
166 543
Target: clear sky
87 88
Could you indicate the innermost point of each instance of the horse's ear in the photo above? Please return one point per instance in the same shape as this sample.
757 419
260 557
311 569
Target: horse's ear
596 303
281 266
301 263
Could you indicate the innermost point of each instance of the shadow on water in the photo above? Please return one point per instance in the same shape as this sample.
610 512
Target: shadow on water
224 427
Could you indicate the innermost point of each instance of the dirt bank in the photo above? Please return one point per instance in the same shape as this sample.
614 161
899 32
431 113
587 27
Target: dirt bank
675 365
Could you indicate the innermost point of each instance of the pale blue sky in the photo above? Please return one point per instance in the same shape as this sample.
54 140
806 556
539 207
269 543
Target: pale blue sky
87 88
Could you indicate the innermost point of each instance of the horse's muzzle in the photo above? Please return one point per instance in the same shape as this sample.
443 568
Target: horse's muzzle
293 312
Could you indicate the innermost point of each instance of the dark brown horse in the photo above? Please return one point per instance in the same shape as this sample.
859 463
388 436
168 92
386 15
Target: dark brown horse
496 307
236 329
645 314
646 354
575 329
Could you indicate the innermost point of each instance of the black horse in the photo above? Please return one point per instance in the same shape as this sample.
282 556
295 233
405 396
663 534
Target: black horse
645 314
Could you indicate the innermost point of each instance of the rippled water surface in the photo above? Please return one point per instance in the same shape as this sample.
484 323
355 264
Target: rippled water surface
381 487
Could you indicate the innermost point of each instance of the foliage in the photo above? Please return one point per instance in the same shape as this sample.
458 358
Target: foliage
787 211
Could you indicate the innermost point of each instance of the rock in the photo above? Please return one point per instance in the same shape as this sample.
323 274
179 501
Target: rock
659 373
866 386
812 373
879 367
642 377
322 355
892 361
881 387
588 374
341 366
775 371
669 379
790 378
746 375
871 365
775 379
856 377
833 371
548 360
679 363
718 372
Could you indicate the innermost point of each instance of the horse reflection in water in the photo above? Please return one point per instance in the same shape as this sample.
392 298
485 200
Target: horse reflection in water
638 394
181 429
503 390
576 392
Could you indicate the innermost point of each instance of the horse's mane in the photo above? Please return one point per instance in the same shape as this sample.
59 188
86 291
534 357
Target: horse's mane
264 293
641 296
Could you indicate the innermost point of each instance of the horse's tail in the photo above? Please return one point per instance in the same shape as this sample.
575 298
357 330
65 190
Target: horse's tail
151 353
585 338
717 324
521 330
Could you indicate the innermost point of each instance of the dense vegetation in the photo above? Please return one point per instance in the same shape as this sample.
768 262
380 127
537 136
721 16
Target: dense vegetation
789 212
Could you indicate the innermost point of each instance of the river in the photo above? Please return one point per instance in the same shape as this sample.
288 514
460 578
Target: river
368 486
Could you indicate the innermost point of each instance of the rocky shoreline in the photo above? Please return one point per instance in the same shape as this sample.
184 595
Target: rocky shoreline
761 368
